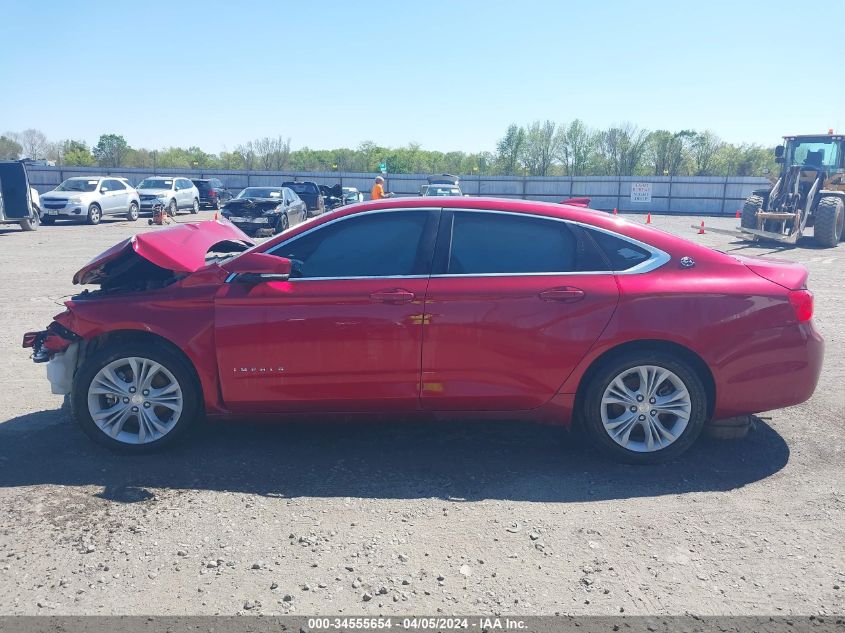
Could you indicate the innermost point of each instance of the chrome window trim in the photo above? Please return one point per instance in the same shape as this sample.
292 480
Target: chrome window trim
658 257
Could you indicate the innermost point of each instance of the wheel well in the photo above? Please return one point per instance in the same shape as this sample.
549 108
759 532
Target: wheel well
651 345
124 336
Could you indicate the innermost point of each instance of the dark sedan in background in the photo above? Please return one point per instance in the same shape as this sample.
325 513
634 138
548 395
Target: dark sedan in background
262 211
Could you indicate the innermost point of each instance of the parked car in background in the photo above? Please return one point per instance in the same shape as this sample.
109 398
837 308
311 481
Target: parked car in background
352 195
489 307
90 198
175 193
338 196
213 193
19 202
443 185
262 211
310 192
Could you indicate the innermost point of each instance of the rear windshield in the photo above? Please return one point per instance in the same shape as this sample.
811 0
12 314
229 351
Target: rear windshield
155 183
202 185
302 187
78 184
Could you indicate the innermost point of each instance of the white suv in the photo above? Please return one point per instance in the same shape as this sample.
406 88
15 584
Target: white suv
90 198
174 193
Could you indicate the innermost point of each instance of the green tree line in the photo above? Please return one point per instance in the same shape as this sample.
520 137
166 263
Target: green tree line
536 149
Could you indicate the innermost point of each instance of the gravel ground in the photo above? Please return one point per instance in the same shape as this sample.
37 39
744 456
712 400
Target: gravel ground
408 517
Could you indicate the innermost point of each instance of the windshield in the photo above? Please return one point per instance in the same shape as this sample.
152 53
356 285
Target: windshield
155 183
435 190
78 184
303 187
813 153
260 192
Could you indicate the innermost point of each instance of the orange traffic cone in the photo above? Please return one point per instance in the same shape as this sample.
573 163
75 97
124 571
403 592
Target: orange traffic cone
701 228
648 219
738 214
615 212
215 216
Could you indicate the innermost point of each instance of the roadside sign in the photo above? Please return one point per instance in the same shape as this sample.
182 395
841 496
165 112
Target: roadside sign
641 192
382 167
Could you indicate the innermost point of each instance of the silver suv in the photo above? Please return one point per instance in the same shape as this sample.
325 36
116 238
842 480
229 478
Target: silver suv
90 198
174 193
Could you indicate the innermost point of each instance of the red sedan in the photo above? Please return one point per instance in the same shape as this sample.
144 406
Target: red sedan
461 306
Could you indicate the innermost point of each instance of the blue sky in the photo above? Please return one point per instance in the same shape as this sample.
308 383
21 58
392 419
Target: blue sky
448 75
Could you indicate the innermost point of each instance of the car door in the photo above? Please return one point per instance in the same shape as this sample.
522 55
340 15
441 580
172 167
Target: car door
344 333
183 191
514 302
118 197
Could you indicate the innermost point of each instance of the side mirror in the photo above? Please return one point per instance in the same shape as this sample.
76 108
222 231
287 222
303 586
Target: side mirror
104 189
779 151
780 159
255 268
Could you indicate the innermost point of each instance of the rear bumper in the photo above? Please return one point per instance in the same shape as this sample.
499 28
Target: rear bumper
763 382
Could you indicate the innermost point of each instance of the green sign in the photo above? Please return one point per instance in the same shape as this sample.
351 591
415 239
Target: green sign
382 167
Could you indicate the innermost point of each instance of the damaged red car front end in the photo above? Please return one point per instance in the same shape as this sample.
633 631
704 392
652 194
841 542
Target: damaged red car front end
141 263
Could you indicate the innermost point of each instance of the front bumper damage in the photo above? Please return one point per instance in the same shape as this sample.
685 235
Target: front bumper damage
59 348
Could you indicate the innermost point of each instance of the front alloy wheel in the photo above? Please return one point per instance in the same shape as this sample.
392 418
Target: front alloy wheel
645 408
135 398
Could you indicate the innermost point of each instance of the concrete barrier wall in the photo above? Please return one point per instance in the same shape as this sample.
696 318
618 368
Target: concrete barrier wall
683 195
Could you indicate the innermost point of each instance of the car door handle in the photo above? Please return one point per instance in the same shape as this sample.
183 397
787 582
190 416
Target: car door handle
567 294
396 295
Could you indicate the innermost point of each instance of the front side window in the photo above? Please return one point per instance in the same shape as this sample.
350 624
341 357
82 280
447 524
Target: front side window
494 243
374 245
114 185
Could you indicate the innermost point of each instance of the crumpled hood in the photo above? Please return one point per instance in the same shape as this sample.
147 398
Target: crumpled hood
250 207
181 249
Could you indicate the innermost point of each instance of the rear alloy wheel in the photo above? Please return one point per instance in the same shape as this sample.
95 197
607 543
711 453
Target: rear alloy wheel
132 215
196 207
752 205
830 221
135 398
95 214
645 408
172 209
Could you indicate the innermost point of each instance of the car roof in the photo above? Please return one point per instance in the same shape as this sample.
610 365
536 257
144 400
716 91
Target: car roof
583 215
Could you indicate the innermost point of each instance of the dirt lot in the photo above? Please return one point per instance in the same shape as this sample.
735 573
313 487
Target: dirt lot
409 518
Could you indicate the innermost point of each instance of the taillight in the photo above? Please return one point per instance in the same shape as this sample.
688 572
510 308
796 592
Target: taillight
802 303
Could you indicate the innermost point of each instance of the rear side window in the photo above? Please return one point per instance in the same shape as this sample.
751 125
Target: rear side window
491 243
374 245
620 253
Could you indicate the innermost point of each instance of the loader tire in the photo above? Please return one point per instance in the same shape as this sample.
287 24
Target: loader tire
830 219
753 204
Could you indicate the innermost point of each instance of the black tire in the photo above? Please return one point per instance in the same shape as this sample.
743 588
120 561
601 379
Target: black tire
132 214
613 367
48 220
282 225
196 206
172 208
752 205
31 224
95 214
176 364
830 221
